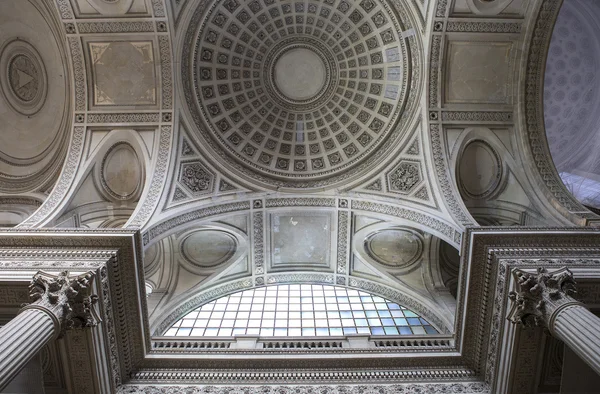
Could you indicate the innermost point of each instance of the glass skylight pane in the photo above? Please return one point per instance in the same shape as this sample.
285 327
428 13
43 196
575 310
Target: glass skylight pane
322 331
308 331
171 332
336 331
300 310
418 330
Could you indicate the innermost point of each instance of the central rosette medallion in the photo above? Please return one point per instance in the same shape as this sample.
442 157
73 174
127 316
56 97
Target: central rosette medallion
297 93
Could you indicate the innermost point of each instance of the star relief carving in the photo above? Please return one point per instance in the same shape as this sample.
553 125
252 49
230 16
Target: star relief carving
68 298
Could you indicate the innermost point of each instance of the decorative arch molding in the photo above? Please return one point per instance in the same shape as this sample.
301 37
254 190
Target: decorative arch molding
78 167
428 311
156 185
507 166
407 13
419 219
448 186
537 41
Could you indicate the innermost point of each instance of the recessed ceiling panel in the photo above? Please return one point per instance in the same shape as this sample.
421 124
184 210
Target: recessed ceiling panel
300 240
297 90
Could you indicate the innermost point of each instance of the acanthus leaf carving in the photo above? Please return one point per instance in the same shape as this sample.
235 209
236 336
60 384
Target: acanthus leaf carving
540 295
66 297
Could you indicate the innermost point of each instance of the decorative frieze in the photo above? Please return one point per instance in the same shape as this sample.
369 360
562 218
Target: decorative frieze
477 116
115 27
429 388
483 27
142 117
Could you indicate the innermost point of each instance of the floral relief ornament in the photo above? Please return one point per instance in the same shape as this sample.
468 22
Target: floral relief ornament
68 298
540 295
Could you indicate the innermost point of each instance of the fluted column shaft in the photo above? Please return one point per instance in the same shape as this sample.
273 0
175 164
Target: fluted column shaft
545 300
60 302
579 329
21 339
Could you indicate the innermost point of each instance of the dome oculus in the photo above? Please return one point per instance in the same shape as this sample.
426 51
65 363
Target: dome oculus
297 90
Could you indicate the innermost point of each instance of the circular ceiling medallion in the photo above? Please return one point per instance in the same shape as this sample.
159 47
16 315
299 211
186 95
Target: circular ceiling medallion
23 79
208 248
394 247
295 91
480 170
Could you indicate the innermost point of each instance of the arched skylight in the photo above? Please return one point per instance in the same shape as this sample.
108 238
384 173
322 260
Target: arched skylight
300 310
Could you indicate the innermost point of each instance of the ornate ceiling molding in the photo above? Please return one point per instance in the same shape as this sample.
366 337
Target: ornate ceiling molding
35 95
81 35
424 220
297 146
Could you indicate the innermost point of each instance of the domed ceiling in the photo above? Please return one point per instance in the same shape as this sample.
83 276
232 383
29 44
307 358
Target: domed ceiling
572 99
297 94
572 86
34 96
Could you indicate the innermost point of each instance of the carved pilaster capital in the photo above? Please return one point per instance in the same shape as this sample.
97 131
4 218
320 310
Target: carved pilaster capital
539 297
68 299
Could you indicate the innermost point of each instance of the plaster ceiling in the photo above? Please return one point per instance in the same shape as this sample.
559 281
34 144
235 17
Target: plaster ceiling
572 86
34 95
297 91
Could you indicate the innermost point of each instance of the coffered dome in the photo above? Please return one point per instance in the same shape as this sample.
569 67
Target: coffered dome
296 94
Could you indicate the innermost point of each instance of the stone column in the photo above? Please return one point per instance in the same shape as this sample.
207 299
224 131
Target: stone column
59 303
545 300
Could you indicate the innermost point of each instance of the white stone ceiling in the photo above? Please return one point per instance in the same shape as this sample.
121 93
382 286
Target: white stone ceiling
572 85
572 99
34 97
296 91
347 137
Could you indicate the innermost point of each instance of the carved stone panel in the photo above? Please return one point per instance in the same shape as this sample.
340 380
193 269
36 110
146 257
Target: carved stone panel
196 177
405 177
300 239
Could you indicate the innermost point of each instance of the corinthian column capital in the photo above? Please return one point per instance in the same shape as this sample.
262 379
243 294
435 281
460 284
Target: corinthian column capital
67 299
539 297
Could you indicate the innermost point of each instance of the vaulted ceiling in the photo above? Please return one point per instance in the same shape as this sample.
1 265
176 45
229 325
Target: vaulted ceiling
256 142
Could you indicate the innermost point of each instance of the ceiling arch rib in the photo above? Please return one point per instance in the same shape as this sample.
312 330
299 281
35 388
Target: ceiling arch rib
538 158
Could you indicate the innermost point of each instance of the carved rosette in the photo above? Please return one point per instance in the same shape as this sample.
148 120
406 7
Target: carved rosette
67 299
540 297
